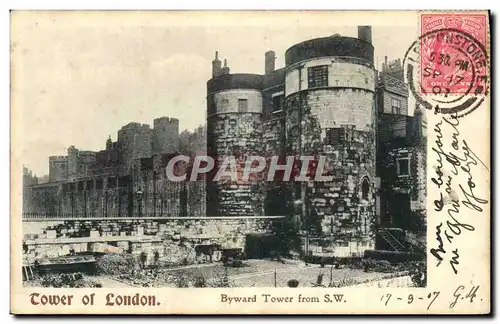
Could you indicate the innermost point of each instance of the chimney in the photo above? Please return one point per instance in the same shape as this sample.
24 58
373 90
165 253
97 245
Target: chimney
216 65
225 69
270 62
365 33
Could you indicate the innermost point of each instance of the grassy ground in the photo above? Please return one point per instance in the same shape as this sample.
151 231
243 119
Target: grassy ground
306 276
249 267
262 273
253 273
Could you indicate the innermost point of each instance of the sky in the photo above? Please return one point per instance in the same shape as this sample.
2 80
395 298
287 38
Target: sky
77 79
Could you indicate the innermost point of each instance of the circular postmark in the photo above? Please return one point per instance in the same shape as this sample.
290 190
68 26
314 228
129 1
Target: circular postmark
447 71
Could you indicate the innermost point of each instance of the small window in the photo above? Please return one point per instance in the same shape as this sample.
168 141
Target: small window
396 106
277 103
403 167
242 105
317 76
335 136
365 189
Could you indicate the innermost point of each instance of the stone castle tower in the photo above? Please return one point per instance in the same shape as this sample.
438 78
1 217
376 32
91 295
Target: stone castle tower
330 111
234 128
165 135
322 103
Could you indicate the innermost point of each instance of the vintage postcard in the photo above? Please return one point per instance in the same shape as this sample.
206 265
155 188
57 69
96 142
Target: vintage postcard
259 162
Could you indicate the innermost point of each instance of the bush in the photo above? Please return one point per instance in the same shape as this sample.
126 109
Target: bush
378 266
342 282
418 274
292 283
181 281
116 264
393 255
69 280
200 282
220 281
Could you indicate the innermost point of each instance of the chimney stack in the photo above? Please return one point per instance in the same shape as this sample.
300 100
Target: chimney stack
225 69
270 62
365 33
216 66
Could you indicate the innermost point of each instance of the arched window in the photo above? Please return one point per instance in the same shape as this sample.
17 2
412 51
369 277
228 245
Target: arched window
365 189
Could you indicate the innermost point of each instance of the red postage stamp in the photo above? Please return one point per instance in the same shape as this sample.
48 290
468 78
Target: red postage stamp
448 42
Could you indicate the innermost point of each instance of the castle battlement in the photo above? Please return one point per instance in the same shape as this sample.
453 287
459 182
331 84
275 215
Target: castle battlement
135 126
166 120
58 158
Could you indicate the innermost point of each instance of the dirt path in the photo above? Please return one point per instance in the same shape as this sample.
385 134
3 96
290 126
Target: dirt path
108 282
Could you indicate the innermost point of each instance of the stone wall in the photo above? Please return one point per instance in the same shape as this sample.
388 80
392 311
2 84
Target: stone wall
238 135
196 197
174 238
340 74
334 46
344 208
227 101
333 108
336 120
29 179
145 192
72 162
274 137
43 199
58 168
135 142
165 135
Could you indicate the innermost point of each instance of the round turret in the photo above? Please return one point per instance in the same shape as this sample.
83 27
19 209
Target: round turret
330 112
234 129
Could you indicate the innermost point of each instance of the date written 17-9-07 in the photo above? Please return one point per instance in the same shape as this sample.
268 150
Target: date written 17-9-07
461 294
